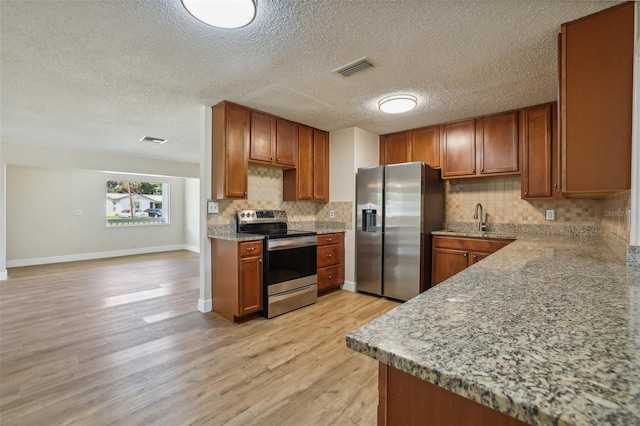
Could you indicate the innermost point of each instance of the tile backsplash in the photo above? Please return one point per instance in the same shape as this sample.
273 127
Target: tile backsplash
265 192
615 214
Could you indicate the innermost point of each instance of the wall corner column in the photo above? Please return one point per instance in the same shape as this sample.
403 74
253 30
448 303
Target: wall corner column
204 300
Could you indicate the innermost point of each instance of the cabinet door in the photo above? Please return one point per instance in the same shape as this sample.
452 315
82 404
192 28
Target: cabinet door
250 285
304 181
286 142
459 149
477 256
446 263
236 151
537 155
596 102
396 148
497 143
263 137
425 146
320 165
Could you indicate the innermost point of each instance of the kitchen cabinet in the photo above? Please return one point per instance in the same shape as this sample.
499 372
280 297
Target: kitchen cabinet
425 145
395 148
454 254
540 152
485 146
330 262
230 151
274 140
404 399
236 278
310 180
596 87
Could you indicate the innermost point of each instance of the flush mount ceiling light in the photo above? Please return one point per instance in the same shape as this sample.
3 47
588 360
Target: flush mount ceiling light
397 104
152 139
222 13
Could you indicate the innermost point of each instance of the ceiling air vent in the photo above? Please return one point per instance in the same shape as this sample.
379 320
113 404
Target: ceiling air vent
152 139
354 67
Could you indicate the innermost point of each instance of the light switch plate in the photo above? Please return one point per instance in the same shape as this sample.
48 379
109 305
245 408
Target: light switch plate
550 214
212 207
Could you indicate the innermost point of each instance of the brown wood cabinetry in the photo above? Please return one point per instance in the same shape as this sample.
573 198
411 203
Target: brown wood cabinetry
454 254
236 278
330 262
395 148
485 146
274 140
310 180
425 145
230 151
596 86
540 153
406 400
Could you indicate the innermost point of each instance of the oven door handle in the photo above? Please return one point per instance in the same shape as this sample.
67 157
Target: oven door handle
288 243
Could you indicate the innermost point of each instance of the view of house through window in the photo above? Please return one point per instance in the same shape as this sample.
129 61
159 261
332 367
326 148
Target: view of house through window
137 203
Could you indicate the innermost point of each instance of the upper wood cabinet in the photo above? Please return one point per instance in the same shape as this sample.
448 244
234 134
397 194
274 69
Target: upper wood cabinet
539 152
274 140
310 180
425 145
286 142
230 151
395 148
485 146
596 87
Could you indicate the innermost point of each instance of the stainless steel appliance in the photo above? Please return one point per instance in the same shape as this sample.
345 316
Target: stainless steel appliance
397 208
290 275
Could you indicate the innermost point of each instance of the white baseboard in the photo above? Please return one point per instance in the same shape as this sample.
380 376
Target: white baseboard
205 306
97 255
3 275
349 286
194 249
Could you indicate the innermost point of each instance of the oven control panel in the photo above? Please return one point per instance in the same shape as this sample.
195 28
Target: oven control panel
261 216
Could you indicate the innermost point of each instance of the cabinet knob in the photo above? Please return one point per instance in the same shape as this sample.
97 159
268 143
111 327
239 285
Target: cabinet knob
481 170
465 255
329 276
526 193
475 256
330 255
251 248
271 158
260 260
244 193
473 170
329 240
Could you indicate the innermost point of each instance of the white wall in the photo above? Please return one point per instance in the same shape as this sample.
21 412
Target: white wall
42 226
350 149
192 214
60 160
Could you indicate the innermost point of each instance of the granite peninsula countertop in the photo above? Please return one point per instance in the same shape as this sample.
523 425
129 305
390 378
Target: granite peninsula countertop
228 232
546 330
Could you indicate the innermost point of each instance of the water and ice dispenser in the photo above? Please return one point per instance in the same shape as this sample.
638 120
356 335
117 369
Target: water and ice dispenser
369 222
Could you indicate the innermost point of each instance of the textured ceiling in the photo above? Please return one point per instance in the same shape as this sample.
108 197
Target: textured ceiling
99 75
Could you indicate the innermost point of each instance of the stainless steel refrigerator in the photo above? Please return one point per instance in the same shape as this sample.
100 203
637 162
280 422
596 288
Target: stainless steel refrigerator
397 208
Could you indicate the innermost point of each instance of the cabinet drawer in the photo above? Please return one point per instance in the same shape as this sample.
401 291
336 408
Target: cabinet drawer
327 239
329 277
251 248
478 244
329 255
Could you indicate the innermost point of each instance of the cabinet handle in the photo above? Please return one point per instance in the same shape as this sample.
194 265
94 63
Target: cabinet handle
330 255
251 248
329 240
465 255
329 276
244 193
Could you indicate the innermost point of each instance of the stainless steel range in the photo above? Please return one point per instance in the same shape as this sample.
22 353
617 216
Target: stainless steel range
290 274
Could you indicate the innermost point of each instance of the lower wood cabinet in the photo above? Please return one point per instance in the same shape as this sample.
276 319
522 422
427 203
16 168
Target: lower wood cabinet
454 254
330 262
236 278
405 400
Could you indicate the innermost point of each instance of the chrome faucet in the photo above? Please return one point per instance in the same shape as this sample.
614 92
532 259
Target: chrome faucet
481 225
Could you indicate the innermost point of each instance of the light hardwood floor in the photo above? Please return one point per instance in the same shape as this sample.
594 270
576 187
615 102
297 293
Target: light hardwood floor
119 341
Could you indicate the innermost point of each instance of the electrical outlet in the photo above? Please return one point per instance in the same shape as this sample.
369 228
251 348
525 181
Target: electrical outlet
550 214
212 207
78 213
332 214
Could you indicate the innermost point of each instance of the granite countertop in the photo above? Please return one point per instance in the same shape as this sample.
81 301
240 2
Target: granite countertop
546 330
228 232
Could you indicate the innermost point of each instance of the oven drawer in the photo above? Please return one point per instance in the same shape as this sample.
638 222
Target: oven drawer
251 248
294 299
329 255
326 239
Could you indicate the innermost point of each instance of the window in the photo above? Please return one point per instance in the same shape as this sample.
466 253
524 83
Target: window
150 201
